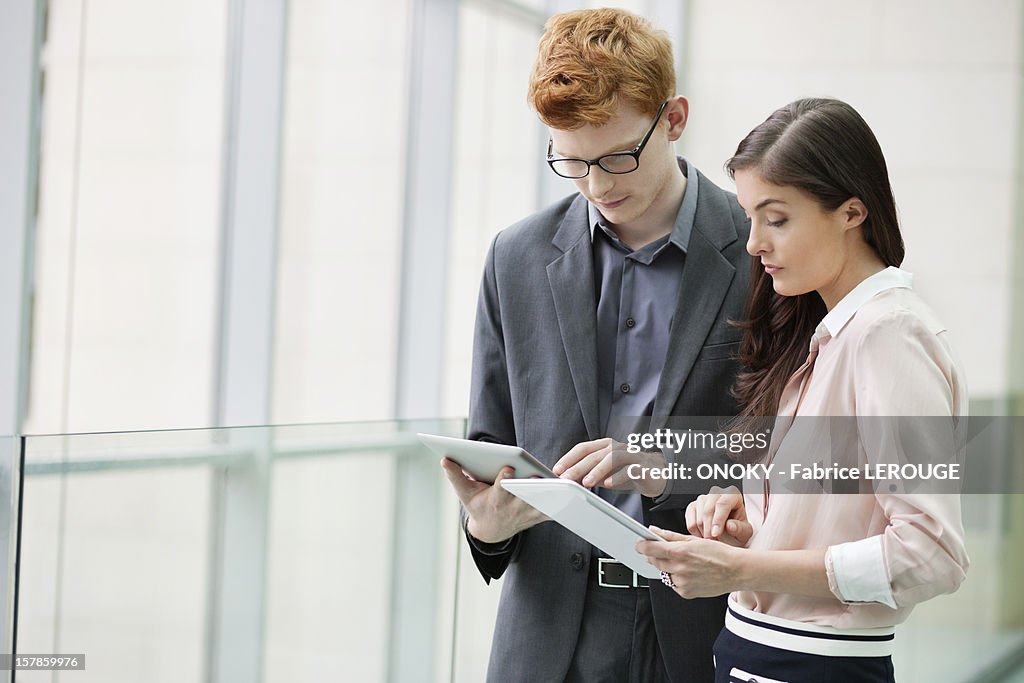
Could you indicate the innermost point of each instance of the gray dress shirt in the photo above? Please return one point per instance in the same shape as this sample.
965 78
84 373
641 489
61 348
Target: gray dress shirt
636 294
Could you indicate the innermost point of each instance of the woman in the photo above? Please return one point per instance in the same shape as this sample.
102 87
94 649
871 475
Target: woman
834 328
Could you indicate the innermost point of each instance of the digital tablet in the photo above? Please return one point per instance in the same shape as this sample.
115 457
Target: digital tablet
484 460
590 517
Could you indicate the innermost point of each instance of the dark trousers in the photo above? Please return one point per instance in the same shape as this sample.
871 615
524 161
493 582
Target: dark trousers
617 641
761 661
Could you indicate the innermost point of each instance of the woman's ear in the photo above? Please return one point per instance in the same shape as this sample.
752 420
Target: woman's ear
853 212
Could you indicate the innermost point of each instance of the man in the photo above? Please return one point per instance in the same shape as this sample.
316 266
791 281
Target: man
610 305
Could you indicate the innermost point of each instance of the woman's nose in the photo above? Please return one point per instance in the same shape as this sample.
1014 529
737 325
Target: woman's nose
756 243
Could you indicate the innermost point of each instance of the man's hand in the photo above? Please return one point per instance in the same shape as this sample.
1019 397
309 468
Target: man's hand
605 462
495 515
720 515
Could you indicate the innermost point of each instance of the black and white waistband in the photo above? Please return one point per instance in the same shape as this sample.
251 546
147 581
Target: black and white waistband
798 636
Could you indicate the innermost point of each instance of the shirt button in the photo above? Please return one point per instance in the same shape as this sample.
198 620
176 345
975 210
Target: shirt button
624 388
577 561
630 323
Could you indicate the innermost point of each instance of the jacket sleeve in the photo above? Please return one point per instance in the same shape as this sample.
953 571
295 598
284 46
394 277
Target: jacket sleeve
490 404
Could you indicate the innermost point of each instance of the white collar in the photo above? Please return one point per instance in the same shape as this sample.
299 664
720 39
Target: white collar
890 278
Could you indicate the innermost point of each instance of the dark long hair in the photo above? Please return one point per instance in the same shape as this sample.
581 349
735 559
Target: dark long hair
825 148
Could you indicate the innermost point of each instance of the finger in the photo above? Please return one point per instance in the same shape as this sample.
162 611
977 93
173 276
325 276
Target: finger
700 515
740 510
707 515
620 480
454 471
650 548
740 530
577 453
465 488
602 471
691 519
507 472
723 508
581 469
507 499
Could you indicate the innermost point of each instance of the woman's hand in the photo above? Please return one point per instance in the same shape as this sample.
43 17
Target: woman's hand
699 568
720 515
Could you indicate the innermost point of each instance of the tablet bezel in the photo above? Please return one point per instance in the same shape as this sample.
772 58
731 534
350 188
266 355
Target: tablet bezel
483 460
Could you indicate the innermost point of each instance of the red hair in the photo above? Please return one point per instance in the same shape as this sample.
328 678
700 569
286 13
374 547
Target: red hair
589 61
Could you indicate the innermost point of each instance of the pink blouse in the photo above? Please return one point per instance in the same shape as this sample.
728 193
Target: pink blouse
880 352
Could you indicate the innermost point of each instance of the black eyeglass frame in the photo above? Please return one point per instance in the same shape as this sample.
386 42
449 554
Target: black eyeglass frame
635 153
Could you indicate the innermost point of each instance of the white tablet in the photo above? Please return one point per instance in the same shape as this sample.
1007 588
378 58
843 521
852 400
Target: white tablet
590 517
484 460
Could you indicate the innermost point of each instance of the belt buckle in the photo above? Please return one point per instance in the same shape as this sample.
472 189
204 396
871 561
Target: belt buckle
601 562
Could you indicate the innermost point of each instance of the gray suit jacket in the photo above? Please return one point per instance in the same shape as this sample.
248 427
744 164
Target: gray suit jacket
535 385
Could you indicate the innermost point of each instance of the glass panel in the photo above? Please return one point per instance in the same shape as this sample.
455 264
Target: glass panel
10 479
327 563
341 210
349 551
128 223
156 543
114 566
334 562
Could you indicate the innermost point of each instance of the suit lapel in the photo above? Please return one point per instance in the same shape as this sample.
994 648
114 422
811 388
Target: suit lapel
571 277
706 279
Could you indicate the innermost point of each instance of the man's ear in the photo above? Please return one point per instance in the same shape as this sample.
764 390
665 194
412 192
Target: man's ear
677 112
853 213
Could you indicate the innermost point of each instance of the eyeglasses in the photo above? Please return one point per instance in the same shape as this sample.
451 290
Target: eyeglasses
617 163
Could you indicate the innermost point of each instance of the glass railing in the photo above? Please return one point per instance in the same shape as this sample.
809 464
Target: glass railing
10 484
313 552
331 552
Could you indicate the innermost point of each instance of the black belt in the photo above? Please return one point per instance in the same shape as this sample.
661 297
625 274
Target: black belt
609 573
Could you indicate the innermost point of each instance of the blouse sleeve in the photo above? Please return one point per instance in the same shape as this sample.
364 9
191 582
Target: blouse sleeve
903 370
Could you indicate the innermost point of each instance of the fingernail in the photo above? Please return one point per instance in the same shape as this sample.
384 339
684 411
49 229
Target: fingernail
715 529
587 481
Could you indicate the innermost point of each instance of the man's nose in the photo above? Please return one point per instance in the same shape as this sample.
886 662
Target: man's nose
599 181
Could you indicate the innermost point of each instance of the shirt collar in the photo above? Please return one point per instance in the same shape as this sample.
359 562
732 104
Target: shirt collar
836 319
683 226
